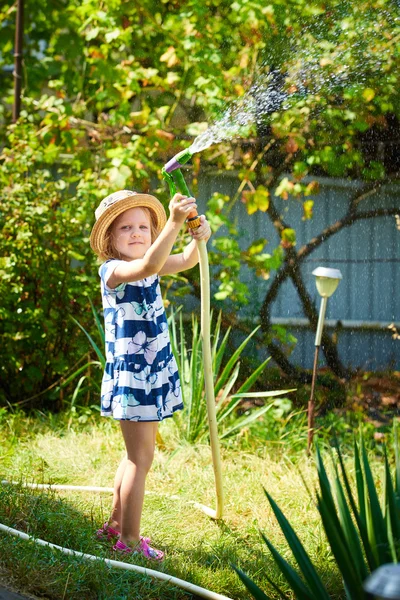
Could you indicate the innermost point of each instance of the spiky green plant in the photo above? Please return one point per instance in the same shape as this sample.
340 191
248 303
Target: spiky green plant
362 534
192 423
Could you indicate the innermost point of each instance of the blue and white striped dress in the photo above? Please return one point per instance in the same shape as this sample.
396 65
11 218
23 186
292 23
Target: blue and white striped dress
141 380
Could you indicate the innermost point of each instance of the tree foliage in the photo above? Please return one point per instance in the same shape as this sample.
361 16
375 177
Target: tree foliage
112 90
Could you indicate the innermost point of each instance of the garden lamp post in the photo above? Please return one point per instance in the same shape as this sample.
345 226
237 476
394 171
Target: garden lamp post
327 281
384 583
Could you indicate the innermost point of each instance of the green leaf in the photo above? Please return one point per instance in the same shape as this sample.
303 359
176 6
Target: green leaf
99 325
340 551
308 570
219 354
393 522
240 423
334 530
112 35
391 516
226 390
76 391
251 586
288 236
397 460
361 523
360 484
301 591
95 347
251 380
229 366
350 532
368 94
270 394
377 523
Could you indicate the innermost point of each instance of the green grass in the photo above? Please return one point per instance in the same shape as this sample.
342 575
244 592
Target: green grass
54 449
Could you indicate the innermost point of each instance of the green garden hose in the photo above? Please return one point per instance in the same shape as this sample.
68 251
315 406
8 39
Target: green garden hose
171 172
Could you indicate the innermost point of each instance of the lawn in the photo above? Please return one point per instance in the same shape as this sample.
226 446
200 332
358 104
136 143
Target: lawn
86 451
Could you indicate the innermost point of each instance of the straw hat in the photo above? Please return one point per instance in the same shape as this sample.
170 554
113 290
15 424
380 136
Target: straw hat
115 204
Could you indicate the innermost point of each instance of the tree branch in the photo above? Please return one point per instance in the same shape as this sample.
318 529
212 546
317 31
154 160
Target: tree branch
348 220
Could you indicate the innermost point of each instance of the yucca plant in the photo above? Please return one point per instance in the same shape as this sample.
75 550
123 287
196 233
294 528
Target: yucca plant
192 423
362 534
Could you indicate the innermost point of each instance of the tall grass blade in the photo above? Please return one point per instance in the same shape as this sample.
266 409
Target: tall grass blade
350 532
361 523
299 553
192 426
99 325
251 380
377 523
360 483
251 586
270 394
397 462
245 421
302 592
225 392
231 362
237 398
334 530
76 391
95 347
75 374
340 551
392 516
218 351
325 487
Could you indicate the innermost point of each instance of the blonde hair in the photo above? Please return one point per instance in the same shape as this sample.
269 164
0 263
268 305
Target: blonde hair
109 250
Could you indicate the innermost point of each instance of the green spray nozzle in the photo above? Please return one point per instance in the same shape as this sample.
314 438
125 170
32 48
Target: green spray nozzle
178 161
172 173
173 176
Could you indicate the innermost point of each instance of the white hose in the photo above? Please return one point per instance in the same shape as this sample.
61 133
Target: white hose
203 592
47 486
209 380
108 490
186 585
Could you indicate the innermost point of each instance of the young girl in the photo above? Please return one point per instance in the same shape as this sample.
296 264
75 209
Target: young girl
140 384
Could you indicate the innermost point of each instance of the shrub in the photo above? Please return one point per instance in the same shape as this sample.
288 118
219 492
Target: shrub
47 270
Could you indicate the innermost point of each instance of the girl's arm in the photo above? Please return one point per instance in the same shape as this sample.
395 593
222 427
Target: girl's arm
189 257
180 206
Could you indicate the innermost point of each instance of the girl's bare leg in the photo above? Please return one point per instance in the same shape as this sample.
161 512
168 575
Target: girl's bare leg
140 442
115 518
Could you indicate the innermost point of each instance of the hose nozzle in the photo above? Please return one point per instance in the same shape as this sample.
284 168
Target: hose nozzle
178 161
176 180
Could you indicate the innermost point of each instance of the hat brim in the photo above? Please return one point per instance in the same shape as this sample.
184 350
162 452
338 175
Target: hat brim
100 228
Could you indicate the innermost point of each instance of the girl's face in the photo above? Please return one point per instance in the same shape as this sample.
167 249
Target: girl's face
131 234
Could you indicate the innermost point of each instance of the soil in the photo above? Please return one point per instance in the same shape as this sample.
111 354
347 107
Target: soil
377 395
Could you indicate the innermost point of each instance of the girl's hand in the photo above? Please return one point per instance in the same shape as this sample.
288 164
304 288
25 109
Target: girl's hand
180 207
203 232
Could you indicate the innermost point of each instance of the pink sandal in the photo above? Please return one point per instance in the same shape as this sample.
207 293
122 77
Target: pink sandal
141 547
108 533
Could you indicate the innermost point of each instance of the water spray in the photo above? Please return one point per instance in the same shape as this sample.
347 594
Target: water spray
173 175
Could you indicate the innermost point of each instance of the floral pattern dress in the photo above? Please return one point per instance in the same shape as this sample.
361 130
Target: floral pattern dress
141 380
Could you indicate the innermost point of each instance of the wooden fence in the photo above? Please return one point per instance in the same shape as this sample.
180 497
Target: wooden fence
367 300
